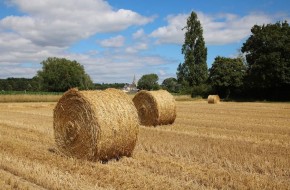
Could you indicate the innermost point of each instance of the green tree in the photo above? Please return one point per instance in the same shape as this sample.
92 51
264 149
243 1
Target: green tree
170 84
36 84
19 84
227 75
194 69
104 86
148 82
60 74
267 54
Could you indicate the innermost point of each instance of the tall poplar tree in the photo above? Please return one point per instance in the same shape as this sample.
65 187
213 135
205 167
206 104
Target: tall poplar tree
194 69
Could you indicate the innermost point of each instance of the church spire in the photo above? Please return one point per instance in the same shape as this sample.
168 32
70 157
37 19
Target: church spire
134 80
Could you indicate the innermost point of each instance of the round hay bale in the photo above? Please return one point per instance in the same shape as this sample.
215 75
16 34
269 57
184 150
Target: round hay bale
95 125
213 99
155 107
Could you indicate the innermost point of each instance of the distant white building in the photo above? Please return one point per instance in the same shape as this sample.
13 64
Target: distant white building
131 87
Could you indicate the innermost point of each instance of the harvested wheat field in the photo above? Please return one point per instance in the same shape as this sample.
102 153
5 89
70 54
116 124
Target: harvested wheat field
210 146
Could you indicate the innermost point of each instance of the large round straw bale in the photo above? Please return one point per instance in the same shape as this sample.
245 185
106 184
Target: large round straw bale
95 125
213 99
155 107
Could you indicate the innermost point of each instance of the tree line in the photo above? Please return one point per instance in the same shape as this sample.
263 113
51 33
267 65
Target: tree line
19 84
56 75
261 71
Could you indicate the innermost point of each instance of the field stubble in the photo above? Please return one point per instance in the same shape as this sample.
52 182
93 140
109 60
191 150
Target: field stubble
222 146
4 98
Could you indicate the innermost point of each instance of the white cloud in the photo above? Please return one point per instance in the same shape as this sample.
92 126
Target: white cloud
22 58
47 28
137 47
61 23
172 33
162 72
218 29
139 34
17 71
119 66
231 28
15 49
117 41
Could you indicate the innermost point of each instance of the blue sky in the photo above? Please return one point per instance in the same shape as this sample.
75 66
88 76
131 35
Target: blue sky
116 39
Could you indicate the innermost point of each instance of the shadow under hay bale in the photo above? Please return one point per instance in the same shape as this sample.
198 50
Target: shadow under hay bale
95 125
155 107
213 99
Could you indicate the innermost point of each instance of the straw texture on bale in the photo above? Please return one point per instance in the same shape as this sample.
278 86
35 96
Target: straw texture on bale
95 125
155 107
213 99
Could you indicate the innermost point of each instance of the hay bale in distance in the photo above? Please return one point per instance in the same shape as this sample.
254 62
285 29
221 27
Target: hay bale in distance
213 99
95 125
155 107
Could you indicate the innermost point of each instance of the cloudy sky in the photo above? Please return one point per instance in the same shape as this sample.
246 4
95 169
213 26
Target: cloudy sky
117 39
